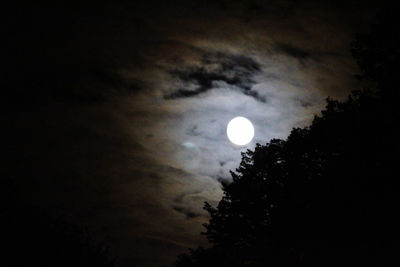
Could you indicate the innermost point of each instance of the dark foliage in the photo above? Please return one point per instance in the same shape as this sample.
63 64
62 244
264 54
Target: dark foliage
31 237
325 196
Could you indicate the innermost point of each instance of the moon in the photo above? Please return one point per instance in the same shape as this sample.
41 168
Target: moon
240 131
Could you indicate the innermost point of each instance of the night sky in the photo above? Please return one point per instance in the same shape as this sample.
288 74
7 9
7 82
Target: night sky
117 112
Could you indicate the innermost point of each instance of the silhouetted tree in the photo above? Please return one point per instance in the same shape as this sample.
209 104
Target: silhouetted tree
32 237
325 196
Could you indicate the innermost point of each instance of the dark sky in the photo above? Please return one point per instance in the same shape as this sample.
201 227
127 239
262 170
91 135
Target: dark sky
117 111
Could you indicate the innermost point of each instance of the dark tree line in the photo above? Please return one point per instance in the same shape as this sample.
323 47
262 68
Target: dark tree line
29 236
328 194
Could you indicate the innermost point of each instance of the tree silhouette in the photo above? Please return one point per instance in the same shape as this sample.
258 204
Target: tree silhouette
32 237
325 196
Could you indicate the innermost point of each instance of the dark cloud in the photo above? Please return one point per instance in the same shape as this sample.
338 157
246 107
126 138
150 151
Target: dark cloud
111 151
236 71
187 212
193 131
293 51
69 53
305 104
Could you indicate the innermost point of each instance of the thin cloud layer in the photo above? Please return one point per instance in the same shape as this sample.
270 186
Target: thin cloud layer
123 115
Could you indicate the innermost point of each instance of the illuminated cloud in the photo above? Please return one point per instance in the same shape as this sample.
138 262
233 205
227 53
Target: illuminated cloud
127 105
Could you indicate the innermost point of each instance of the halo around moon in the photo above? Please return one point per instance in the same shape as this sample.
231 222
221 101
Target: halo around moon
240 131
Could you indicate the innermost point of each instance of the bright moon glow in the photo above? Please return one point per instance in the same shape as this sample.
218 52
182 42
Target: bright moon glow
240 131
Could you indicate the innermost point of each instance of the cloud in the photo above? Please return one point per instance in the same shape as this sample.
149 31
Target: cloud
188 212
292 51
215 70
119 115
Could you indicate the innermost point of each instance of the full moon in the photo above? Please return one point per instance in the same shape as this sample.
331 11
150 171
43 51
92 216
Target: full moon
240 131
